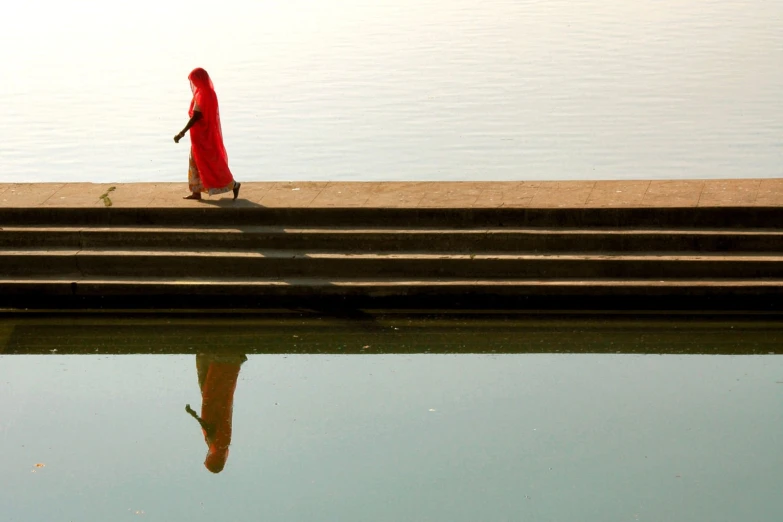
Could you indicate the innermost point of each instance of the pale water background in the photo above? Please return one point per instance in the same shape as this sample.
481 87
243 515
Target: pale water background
336 420
396 90
398 438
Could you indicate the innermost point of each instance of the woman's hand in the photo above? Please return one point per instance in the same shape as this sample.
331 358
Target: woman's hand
192 121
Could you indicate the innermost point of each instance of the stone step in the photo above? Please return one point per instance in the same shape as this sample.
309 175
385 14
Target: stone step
349 239
208 215
314 287
282 264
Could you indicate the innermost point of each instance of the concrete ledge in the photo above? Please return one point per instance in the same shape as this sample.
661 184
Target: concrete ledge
424 195
693 203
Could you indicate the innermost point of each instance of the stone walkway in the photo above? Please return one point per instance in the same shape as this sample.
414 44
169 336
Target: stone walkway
520 194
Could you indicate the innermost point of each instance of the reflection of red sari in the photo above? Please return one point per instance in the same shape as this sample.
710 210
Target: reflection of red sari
206 137
217 378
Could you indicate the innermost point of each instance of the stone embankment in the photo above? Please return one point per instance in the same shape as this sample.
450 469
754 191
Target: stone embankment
574 244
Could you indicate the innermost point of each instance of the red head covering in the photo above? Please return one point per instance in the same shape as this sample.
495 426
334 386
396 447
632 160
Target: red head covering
216 459
206 136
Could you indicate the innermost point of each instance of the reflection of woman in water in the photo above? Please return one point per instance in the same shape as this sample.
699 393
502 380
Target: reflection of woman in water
217 378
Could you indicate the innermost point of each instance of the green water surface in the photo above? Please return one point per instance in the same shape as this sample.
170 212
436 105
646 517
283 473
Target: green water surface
389 417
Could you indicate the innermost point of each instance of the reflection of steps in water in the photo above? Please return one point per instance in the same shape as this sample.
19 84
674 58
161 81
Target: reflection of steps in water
311 253
196 332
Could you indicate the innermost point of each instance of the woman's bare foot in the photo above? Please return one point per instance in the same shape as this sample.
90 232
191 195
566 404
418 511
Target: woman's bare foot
196 196
237 185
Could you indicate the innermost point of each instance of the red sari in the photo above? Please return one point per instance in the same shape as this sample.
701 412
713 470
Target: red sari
208 170
217 378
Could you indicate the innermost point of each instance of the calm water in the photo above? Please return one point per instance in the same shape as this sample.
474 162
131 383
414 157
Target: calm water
394 419
396 90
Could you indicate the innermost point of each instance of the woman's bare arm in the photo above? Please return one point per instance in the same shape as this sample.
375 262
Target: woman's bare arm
192 121
209 429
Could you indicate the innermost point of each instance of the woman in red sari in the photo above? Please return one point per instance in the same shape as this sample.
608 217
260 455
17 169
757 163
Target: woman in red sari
217 378
208 171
